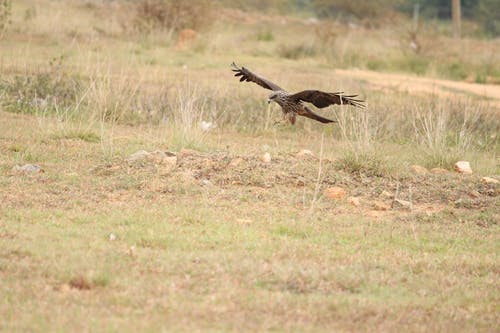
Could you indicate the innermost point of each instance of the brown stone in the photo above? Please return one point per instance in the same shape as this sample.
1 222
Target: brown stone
474 194
489 180
188 152
235 162
419 170
439 171
379 205
304 153
335 193
354 201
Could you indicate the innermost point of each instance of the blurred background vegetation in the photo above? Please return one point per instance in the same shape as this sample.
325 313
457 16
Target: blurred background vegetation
484 13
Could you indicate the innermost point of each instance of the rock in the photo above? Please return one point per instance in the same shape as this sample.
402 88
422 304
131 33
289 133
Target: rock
266 158
419 170
474 194
439 171
205 182
166 162
156 156
304 153
28 168
131 251
112 237
80 283
398 203
379 205
207 126
138 155
463 167
386 194
335 193
188 152
187 177
64 288
489 180
235 162
354 201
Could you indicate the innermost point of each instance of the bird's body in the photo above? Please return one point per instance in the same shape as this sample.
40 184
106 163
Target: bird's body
292 104
290 110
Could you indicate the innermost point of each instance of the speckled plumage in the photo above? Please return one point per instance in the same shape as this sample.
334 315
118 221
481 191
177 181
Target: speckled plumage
292 104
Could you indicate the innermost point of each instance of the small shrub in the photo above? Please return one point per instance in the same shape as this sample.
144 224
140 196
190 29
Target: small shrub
362 163
480 78
83 135
375 64
455 71
40 92
5 14
415 64
296 51
265 36
173 15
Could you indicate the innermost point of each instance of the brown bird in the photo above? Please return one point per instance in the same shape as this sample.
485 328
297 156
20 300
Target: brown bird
292 104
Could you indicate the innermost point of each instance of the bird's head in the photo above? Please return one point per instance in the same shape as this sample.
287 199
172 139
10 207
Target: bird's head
272 97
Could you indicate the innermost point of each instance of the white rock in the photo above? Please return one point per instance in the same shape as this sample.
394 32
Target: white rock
386 194
305 153
206 182
207 126
266 158
28 168
402 204
138 155
463 167
112 237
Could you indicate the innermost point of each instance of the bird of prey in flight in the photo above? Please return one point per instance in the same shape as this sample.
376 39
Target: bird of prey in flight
292 104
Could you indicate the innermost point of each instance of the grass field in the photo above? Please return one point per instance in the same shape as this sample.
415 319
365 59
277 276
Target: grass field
203 234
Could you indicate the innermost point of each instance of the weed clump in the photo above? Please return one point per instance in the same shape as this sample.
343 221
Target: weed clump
42 92
296 51
362 163
171 15
5 14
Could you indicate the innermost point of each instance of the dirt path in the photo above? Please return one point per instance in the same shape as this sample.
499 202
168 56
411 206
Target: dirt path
414 84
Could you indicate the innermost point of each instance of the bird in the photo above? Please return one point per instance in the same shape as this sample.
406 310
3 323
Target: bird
293 105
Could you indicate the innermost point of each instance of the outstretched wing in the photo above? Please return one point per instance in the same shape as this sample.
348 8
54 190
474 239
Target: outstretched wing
248 76
323 99
309 114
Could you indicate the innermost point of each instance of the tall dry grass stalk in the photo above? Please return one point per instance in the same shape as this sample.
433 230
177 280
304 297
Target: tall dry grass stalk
444 130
